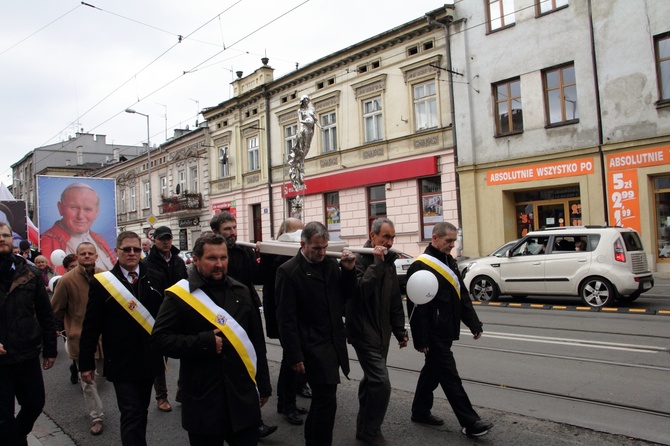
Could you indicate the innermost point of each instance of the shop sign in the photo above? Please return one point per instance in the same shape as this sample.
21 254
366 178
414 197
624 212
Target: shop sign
623 202
187 222
544 171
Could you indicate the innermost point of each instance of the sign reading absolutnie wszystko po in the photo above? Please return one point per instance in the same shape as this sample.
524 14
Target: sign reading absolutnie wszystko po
544 171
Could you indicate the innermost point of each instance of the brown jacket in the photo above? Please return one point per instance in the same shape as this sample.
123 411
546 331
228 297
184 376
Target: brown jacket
69 305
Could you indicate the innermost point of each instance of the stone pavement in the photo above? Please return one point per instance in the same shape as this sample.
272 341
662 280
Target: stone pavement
510 428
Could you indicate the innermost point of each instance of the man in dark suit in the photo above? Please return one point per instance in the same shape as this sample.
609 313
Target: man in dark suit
122 305
311 291
212 324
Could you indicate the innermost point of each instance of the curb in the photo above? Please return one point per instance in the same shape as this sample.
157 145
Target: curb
573 308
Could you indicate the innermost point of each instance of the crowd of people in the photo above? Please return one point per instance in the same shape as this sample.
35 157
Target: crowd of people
123 323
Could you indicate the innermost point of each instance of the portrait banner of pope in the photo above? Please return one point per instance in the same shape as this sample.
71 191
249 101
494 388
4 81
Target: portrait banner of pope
73 210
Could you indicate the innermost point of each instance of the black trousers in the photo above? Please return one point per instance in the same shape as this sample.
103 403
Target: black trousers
374 391
133 398
321 418
440 369
245 437
24 382
286 386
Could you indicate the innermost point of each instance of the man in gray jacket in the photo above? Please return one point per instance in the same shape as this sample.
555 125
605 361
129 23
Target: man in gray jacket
373 315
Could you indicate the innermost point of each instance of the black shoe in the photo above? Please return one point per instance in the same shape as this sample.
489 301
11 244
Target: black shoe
74 373
428 419
478 428
304 392
293 417
379 440
177 396
264 430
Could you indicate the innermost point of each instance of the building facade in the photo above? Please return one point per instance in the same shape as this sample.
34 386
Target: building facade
384 147
72 157
167 187
562 118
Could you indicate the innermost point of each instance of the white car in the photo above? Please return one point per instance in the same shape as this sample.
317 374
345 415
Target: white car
611 265
465 264
402 264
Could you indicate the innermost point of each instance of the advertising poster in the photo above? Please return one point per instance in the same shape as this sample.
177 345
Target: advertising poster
73 210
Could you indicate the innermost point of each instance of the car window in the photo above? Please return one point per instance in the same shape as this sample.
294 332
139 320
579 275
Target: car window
632 241
531 246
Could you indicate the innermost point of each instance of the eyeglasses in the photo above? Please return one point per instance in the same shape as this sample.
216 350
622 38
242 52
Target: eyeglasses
6 235
129 249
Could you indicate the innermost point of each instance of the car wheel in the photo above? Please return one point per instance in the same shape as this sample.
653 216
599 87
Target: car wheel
597 292
484 289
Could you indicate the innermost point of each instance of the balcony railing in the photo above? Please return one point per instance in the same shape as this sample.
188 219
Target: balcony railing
181 202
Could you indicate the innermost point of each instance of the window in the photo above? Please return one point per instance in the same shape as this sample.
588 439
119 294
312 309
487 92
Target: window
193 178
425 105
224 170
253 162
147 196
561 95
122 201
163 183
431 205
501 14
181 182
376 203
546 6
508 103
662 44
290 137
132 207
329 132
372 119
332 201
662 205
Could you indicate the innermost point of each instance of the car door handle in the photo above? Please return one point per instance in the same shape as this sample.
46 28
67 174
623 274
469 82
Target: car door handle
581 260
537 263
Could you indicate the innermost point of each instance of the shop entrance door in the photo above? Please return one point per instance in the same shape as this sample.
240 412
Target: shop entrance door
551 215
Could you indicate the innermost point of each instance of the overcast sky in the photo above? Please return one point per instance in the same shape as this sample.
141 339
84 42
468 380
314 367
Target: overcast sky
67 66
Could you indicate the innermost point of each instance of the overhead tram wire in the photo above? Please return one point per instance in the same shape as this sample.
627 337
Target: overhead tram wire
176 78
35 32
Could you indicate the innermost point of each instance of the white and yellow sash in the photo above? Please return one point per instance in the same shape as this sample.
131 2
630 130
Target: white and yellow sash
126 299
233 331
442 269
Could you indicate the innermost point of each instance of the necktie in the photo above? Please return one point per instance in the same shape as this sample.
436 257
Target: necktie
132 277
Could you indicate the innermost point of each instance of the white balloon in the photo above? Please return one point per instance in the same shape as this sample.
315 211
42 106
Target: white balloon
52 283
57 257
422 287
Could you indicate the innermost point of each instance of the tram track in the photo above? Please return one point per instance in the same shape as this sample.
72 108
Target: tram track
548 394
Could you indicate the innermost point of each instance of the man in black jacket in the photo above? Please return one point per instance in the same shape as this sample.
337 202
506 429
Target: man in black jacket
211 323
243 267
122 305
311 291
288 380
164 265
27 328
373 315
435 325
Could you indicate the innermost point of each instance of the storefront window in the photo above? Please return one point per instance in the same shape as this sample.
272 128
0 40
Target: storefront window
332 201
662 193
431 205
547 208
376 203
